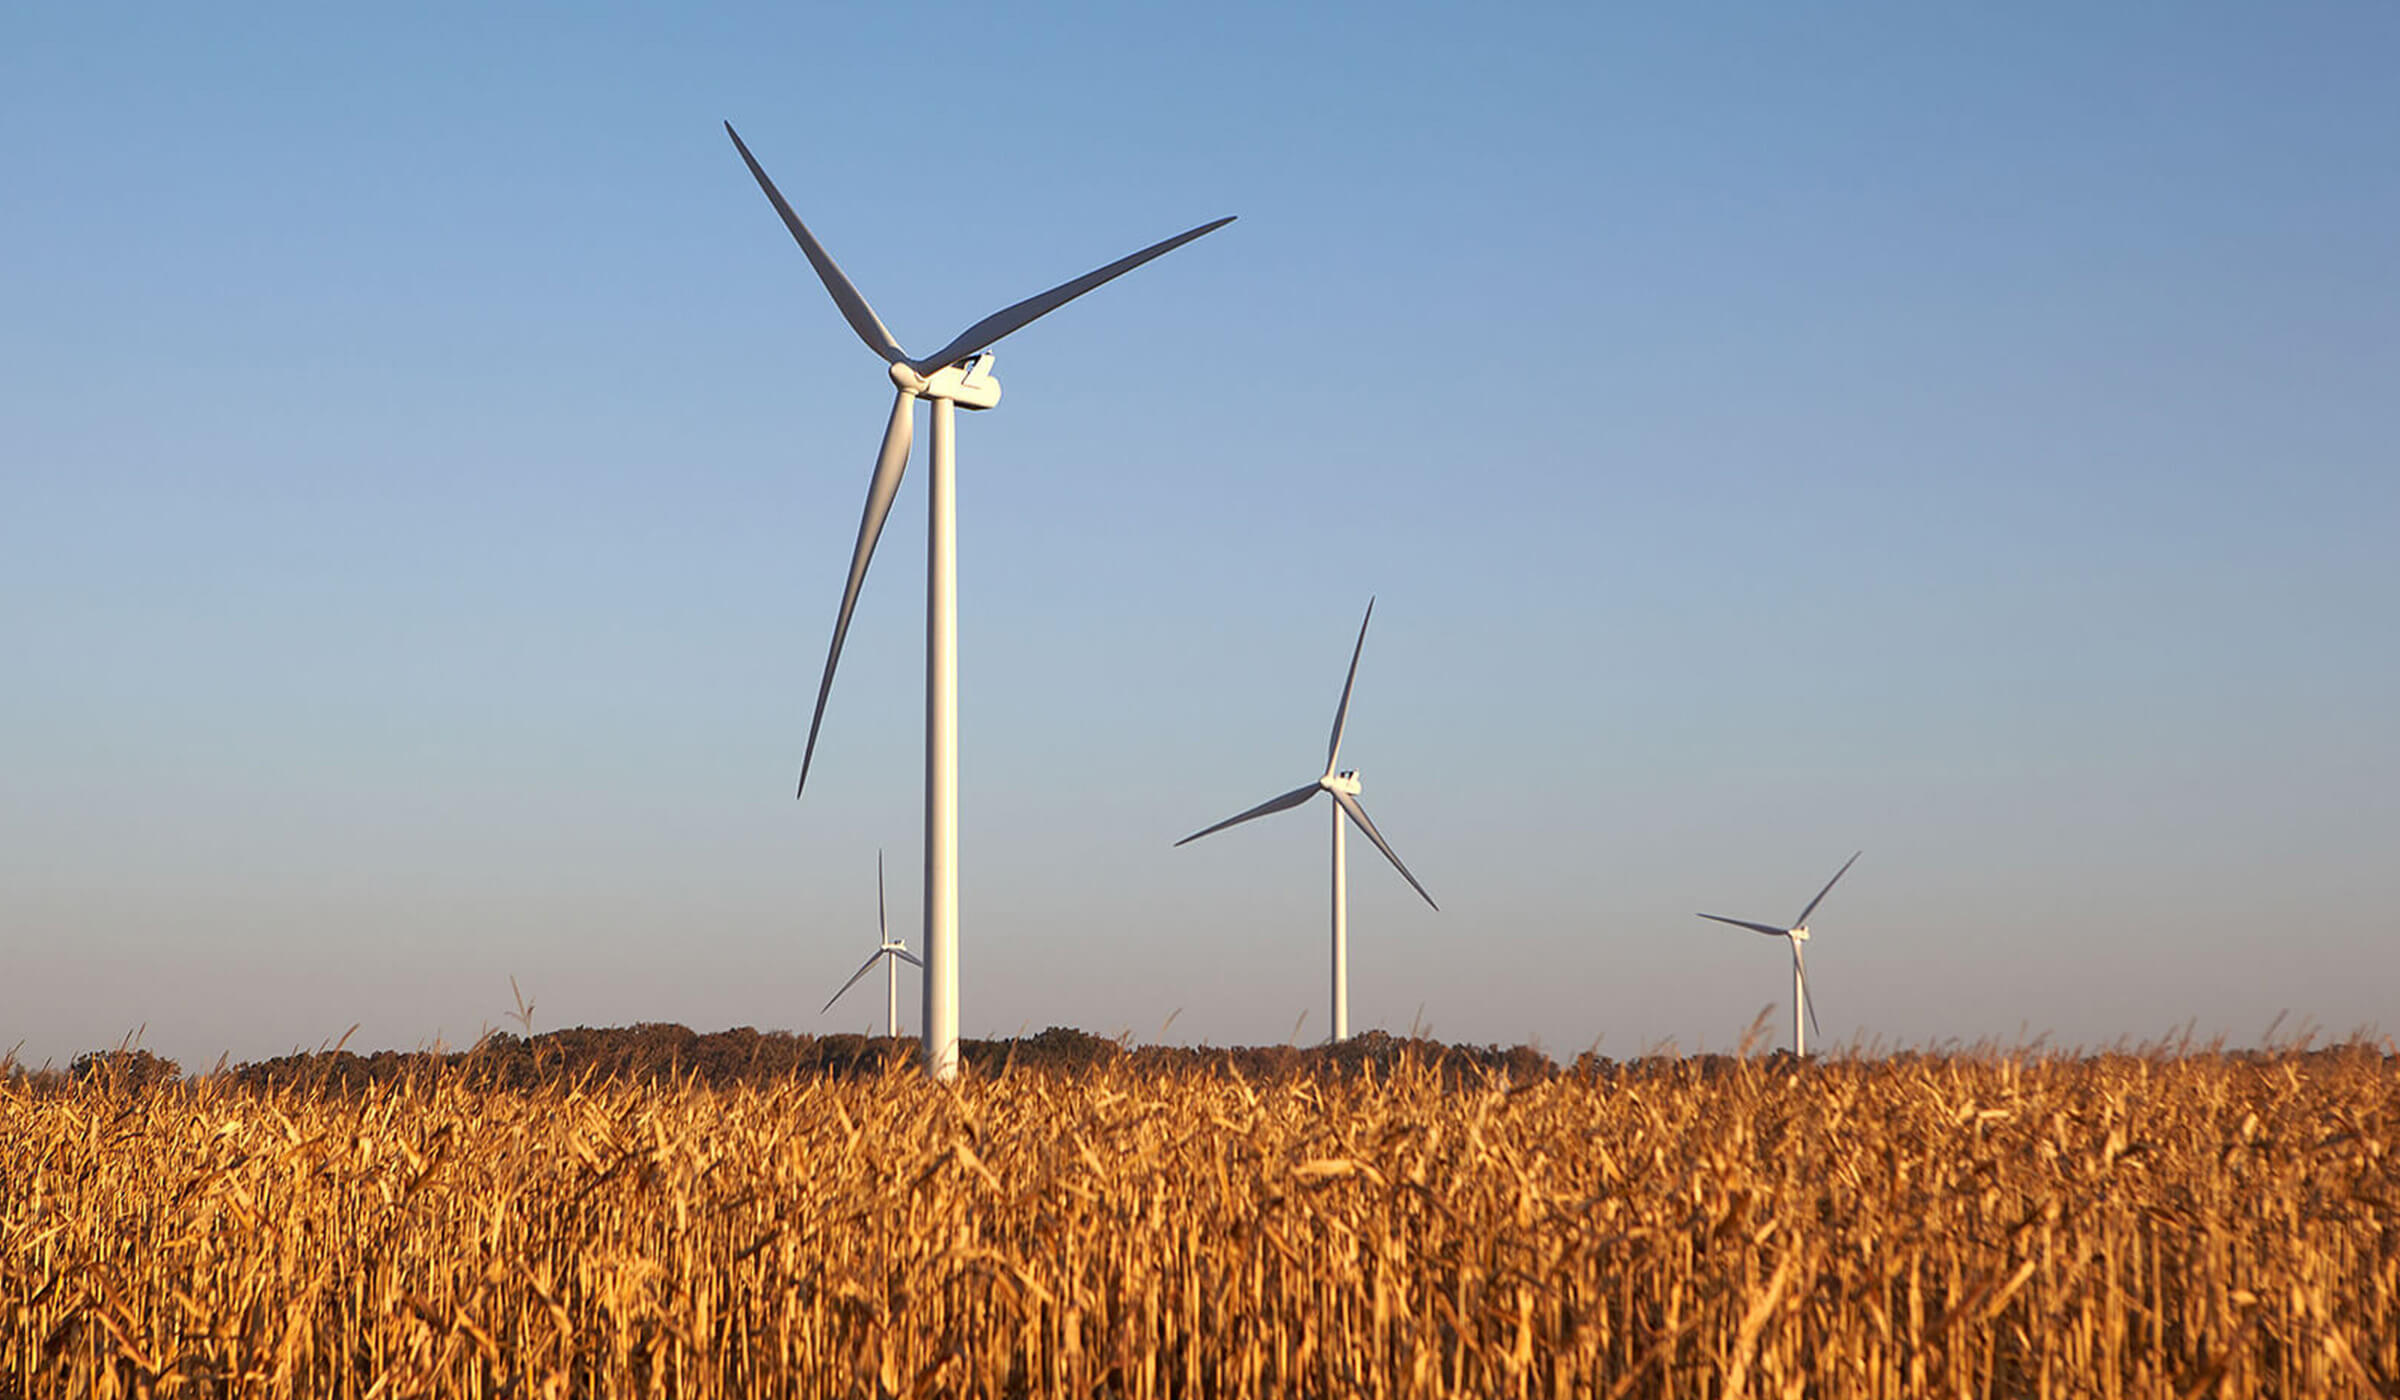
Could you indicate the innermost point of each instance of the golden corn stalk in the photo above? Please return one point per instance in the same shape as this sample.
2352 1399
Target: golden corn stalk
2130 1225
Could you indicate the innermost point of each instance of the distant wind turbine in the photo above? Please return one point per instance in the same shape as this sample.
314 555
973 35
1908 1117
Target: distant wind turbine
887 947
1797 934
959 374
1344 789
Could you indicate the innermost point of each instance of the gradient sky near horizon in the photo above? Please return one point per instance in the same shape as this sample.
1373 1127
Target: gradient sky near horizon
427 470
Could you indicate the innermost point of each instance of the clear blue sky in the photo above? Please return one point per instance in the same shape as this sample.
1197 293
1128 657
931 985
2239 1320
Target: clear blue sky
427 469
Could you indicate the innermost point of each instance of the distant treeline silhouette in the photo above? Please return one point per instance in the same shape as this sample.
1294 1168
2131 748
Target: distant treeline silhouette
665 1053
662 1053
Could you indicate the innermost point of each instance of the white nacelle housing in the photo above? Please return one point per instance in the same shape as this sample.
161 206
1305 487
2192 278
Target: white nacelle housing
969 383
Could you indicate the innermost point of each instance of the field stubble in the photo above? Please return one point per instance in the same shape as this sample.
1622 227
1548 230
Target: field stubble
2139 1225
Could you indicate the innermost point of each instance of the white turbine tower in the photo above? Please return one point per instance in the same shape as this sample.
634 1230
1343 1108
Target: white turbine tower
1344 789
886 947
1797 934
957 375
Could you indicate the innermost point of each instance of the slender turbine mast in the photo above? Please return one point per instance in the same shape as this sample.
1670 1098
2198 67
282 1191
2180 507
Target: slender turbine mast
959 375
889 951
1797 934
1344 789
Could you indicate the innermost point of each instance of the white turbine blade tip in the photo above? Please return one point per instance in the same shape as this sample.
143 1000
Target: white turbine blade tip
863 969
854 308
1358 814
891 464
1341 713
1272 805
1802 921
1768 929
1014 318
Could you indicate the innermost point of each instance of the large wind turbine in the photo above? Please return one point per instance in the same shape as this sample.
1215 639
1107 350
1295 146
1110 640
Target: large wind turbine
1797 934
959 374
887 947
1344 789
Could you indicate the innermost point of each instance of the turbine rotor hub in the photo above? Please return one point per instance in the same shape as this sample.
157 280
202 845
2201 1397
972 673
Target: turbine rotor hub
1341 782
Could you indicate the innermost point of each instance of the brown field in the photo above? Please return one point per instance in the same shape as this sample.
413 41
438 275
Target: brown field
2146 1225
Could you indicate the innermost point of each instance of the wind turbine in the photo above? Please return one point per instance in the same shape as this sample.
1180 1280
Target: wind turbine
894 949
957 375
1344 789
1797 934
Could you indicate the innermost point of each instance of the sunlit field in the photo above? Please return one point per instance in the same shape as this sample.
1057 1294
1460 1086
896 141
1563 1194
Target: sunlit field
2141 1225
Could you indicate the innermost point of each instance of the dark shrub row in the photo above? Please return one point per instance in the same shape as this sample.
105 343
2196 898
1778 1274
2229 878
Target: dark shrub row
654 1053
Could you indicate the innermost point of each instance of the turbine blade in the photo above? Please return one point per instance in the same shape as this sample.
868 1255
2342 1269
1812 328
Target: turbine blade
1341 715
908 957
1802 921
1293 798
883 925
1017 317
890 463
1769 931
863 969
1808 998
1358 814
854 307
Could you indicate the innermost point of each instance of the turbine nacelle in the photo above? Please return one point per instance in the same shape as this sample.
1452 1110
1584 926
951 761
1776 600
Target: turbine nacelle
1341 782
969 383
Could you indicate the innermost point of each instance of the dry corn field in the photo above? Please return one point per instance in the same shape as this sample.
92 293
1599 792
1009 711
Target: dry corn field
2145 1225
